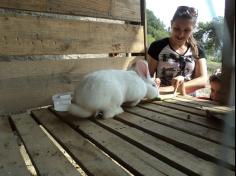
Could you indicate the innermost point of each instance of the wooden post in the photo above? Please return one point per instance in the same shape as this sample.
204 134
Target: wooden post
144 23
228 55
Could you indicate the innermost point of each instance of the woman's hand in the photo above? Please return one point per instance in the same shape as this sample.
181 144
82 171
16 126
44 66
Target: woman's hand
182 89
158 81
178 83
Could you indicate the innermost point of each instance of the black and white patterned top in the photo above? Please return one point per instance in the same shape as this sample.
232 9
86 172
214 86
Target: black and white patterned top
171 63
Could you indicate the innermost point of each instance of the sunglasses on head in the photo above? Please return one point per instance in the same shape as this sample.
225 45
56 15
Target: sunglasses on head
185 10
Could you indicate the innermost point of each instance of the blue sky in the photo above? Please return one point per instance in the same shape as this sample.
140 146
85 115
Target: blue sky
207 9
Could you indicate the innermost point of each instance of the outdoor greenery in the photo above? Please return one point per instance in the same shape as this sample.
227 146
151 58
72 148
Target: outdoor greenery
209 34
155 27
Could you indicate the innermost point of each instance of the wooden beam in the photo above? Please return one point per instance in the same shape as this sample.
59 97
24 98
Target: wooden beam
144 23
127 10
228 60
41 35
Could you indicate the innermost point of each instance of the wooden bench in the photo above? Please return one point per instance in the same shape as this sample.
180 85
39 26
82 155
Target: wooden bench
177 136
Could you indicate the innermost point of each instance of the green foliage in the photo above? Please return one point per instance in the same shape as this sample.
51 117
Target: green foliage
155 28
150 38
210 34
212 66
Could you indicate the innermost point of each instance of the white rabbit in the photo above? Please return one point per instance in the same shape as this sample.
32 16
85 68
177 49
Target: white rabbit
106 90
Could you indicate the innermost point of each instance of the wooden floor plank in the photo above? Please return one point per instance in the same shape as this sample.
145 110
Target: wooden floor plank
184 115
200 105
190 143
216 112
205 103
183 125
169 104
86 154
47 159
11 161
134 159
189 164
196 99
197 108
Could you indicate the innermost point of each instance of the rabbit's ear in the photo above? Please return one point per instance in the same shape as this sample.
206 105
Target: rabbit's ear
142 68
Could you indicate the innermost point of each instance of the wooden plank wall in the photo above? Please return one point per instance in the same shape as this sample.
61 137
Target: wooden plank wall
31 84
32 35
49 28
128 10
37 34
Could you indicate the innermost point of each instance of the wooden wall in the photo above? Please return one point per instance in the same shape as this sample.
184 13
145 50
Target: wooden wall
128 10
59 27
24 35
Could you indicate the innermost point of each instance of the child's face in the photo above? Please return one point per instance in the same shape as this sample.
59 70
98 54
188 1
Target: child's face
215 91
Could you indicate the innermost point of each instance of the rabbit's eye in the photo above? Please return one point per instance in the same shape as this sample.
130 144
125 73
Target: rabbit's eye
154 85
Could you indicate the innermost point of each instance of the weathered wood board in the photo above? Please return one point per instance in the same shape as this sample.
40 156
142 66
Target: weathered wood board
33 83
54 28
40 35
128 10
11 161
141 141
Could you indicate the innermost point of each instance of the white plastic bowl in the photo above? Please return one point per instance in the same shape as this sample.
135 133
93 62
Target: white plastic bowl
62 101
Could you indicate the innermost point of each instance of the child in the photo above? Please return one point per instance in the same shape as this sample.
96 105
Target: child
215 83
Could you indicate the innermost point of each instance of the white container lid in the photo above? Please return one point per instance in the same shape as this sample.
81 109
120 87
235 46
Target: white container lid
62 101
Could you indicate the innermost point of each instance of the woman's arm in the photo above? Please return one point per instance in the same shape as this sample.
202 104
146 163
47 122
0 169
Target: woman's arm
199 81
152 65
200 77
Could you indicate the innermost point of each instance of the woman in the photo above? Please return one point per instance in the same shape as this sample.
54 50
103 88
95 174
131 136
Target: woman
179 62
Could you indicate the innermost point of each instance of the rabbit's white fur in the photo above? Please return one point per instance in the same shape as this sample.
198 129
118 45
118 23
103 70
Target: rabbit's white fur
106 90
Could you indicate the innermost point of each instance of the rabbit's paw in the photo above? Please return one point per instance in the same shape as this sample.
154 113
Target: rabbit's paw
110 113
134 103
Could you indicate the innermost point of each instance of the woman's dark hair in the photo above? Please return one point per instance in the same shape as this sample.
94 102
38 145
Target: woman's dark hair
186 13
190 13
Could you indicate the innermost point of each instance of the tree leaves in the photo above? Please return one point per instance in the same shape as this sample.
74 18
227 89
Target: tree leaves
155 27
210 34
